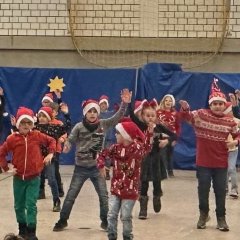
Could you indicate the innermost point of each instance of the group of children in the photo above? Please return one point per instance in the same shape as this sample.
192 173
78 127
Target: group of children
142 153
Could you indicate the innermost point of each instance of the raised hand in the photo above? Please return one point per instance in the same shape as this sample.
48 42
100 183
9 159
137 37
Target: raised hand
126 95
184 104
64 108
233 99
58 93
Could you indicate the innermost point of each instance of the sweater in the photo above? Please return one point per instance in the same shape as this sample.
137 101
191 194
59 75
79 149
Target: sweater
126 167
211 135
88 144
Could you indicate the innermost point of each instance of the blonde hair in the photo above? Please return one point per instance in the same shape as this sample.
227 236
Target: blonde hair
161 105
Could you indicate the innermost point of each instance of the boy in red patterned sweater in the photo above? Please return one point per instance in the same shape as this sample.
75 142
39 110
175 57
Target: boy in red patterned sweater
212 128
126 155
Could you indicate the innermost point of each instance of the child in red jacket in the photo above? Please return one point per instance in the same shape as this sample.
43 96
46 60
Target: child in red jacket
126 155
28 163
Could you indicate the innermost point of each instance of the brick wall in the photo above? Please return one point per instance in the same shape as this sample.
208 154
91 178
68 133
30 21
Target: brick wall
121 18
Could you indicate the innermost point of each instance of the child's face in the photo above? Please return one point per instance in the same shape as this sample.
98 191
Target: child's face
42 118
119 137
217 107
46 103
149 115
168 103
25 126
54 113
92 115
103 106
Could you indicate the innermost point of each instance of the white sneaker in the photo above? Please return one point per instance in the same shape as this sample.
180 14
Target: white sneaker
233 194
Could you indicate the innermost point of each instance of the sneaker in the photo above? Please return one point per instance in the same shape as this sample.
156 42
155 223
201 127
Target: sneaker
57 206
60 225
233 194
221 224
104 225
203 219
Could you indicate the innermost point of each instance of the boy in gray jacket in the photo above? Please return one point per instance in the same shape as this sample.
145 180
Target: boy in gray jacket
88 138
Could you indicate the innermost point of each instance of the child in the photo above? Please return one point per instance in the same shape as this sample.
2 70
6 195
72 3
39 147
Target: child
47 100
232 158
28 163
212 128
126 155
55 131
168 116
88 137
153 168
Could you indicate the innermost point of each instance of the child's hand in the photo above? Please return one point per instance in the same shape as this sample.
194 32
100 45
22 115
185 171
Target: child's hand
102 172
231 144
163 143
64 108
184 104
66 149
151 127
13 120
47 160
126 95
12 169
233 99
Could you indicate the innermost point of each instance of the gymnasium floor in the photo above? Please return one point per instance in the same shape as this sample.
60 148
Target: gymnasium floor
176 221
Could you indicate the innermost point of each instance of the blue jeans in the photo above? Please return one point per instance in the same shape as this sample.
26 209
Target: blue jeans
232 172
80 175
125 206
218 177
52 181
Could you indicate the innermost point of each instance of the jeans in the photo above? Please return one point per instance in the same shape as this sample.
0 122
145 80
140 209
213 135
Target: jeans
125 206
218 178
232 172
80 175
52 181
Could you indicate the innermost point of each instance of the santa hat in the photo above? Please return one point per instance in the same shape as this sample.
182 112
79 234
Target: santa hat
88 104
139 105
130 131
228 108
48 97
170 96
216 94
22 113
103 99
47 111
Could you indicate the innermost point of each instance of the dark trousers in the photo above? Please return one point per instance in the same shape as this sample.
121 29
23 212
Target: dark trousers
218 178
157 190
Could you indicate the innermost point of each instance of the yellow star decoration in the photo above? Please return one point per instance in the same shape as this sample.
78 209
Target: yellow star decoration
56 84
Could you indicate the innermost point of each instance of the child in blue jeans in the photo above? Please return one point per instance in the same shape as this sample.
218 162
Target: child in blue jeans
126 155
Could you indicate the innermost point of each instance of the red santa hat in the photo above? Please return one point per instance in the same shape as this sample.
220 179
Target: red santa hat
170 96
47 111
130 131
216 94
88 104
48 97
228 108
22 113
139 105
103 99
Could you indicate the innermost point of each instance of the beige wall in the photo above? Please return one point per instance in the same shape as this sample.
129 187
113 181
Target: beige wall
36 33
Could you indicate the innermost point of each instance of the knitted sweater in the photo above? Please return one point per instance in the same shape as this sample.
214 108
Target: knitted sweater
89 143
211 135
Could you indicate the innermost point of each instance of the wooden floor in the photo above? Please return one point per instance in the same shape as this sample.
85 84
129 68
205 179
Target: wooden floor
176 221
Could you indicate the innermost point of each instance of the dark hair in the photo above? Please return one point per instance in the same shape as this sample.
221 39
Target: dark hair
12 236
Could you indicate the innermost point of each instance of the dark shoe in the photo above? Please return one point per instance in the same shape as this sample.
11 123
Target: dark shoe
112 237
61 191
60 225
170 173
57 206
22 230
221 224
157 204
31 233
42 194
107 174
143 207
203 218
104 225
